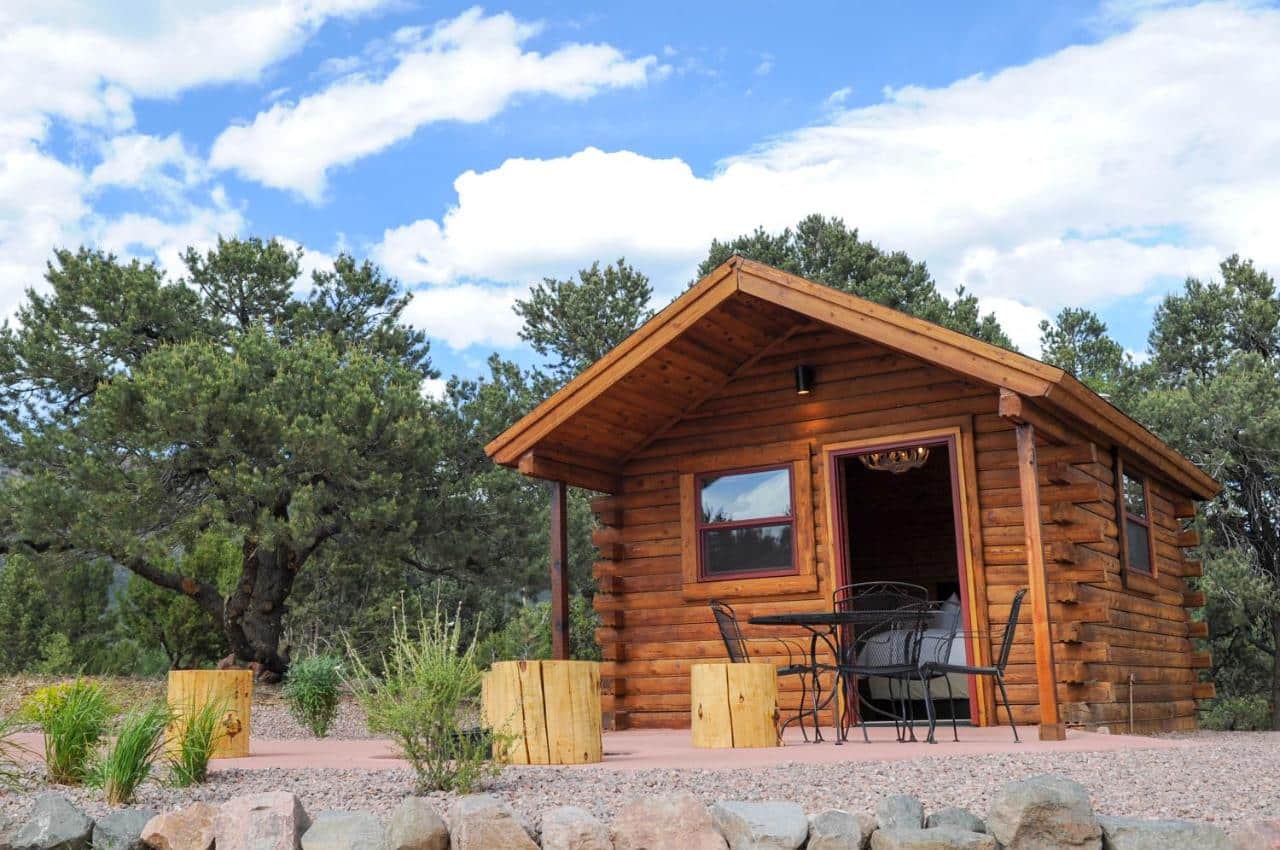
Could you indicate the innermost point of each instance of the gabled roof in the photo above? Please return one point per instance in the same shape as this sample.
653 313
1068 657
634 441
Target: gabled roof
587 431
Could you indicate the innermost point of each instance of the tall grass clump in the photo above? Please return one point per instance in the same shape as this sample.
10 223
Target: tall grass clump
73 717
427 690
312 690
128 762
199 730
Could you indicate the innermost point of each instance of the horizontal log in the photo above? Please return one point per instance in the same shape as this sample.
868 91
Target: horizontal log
1188 539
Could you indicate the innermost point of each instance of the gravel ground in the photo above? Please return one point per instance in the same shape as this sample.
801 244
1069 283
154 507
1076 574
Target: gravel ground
1222 777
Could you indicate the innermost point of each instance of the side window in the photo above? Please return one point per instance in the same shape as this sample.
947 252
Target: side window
1137 522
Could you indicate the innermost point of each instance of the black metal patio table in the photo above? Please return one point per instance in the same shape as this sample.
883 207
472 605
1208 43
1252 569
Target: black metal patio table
824 629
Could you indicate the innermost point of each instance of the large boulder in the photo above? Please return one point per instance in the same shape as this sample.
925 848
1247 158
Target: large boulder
1257 835
121 829
185 829
957 817
415 825
483 822
53 824
573 828
760 826
343 831
836 829
274 820
665 821
900 812
934 838
1044 812
1138 834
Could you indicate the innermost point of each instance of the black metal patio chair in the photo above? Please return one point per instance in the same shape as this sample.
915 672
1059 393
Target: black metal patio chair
883 643
735 643
936 663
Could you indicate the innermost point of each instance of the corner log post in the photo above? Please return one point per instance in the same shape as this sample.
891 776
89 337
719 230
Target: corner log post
1013 409
560 649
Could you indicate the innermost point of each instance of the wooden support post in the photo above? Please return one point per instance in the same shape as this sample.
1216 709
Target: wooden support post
559 571
1051 728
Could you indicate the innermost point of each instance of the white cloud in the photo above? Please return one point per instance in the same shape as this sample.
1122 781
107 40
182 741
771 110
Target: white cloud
1020 321
434 387
466 315
139 161
1077 178
839 96
467 69
85 63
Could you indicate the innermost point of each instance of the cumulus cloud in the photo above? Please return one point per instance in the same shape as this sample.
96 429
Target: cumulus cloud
466 69
1077 178
467 314
85 64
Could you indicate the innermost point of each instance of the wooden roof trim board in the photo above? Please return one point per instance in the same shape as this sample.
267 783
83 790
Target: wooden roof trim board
573 396
882 325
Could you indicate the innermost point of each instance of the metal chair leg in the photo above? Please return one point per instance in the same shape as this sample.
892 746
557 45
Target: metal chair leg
928 707
1004 695
951 702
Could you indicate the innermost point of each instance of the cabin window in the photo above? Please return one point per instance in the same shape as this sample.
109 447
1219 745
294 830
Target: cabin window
1137 522
746 523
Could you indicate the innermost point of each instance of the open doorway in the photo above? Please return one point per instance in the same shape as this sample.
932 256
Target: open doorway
900 520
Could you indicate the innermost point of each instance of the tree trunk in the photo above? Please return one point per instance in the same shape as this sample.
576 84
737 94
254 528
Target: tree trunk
253 617
1275 671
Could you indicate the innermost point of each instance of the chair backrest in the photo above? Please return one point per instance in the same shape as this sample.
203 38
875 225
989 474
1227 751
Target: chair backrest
941 632
1006 642
891 637
877 596
734 643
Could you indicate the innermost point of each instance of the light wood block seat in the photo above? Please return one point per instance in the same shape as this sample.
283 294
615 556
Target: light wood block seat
734 705
545 712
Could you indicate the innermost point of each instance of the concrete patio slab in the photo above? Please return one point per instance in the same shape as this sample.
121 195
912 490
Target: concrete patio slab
642 749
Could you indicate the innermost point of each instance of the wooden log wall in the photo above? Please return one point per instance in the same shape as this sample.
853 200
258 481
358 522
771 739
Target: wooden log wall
652 632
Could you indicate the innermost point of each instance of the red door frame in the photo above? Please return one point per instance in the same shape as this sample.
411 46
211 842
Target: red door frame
843 574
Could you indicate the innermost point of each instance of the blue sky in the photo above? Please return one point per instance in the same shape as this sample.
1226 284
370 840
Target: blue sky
1040 154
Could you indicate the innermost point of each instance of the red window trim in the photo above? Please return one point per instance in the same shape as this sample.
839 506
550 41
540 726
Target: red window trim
787 519
1145 522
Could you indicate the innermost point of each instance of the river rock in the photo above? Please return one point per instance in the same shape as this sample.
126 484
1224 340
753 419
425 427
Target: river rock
900 812
957 817
836 829
665 821
1044 812
1138 834
53 824
416 825
121 829
573 828
343 831
185 829
483 822
934 838
760 826
274 820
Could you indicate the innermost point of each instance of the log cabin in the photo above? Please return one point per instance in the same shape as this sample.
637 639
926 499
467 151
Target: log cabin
765 439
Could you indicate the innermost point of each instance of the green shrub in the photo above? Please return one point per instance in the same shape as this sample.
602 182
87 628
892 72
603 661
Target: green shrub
198 730
527 634
130 759
312 690
73 718
1240 714
429 685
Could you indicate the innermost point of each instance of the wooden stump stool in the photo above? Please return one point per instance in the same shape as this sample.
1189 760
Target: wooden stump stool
734 705
549 709
189 690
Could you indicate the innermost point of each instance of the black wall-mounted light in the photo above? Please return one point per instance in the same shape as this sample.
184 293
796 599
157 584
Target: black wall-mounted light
804 380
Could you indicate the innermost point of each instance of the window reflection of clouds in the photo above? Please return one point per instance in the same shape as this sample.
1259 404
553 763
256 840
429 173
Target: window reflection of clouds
747 495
